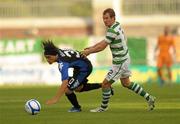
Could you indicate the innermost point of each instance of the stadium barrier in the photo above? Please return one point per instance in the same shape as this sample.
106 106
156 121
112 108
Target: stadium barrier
43 74
29 74
140 73
21 61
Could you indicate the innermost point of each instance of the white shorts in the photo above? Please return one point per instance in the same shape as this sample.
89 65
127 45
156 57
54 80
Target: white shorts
119 71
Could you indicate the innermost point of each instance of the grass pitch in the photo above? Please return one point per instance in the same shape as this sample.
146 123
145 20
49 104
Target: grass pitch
125 106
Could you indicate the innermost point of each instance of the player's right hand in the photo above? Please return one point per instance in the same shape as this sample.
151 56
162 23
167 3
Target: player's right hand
51 101
84 53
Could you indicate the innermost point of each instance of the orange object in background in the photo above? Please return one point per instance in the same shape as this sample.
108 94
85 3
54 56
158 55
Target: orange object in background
164 45
177 47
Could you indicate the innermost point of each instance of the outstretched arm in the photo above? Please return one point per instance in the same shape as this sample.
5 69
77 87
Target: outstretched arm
96 48
59 93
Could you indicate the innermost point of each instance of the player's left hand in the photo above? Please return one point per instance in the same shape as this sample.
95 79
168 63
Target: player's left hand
51 101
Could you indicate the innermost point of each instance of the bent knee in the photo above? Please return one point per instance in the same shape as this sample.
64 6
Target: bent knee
125 82
106 85
79 89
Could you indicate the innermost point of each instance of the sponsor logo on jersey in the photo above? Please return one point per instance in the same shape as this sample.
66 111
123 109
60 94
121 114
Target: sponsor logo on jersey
60 65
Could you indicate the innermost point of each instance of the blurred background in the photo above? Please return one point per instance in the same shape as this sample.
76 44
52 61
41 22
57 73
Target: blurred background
77 24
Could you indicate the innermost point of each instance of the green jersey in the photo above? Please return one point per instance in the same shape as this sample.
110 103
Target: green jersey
117 43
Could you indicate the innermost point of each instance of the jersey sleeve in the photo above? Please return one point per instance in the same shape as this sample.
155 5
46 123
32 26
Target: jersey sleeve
110 35
63 68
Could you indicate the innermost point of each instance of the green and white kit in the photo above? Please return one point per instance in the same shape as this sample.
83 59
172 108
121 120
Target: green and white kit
121 59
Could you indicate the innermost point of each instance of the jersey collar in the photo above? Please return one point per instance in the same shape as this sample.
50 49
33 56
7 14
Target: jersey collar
115 23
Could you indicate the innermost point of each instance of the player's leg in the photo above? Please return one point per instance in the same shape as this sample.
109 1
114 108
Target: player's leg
124 75
169 73
138 89
106 94
84 81
93 86
169 64
134 87
89 87
106 89
76 83
73 100
71 96
159 70
160 76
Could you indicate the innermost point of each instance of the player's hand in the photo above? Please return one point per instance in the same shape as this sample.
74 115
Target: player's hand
84 53
51 101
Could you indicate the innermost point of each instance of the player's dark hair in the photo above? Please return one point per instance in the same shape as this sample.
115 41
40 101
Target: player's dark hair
110 11
50 48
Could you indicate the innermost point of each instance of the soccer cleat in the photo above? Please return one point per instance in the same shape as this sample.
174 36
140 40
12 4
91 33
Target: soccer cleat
73 109
99 109
151 102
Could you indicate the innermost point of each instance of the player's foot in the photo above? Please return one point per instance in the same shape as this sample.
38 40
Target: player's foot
161 81
73 109
112 91
151 102
99 109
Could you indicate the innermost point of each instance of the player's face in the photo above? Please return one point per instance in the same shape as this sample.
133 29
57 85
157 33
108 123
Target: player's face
51 58
108 21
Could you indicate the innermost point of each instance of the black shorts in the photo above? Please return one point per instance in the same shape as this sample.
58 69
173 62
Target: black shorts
79 77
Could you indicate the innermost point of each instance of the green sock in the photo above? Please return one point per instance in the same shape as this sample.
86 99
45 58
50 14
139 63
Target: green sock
139 90
106 94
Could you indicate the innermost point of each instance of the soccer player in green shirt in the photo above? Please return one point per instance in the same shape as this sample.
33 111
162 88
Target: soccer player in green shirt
116 40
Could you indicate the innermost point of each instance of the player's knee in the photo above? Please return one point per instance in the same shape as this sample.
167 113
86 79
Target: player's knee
125 84
106 85
68 91
79 89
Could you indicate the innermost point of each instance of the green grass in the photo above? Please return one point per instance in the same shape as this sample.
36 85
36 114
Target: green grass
125 106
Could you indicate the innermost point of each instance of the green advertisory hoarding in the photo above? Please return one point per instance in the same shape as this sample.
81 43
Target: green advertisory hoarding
137 49
19 46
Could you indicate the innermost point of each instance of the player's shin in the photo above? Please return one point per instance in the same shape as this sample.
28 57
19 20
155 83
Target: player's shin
73 99
106 94
138 90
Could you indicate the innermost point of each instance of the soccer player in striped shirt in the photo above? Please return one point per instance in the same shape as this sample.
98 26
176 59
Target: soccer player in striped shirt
116 40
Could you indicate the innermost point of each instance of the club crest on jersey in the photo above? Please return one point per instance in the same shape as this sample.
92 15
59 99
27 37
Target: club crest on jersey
60 65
